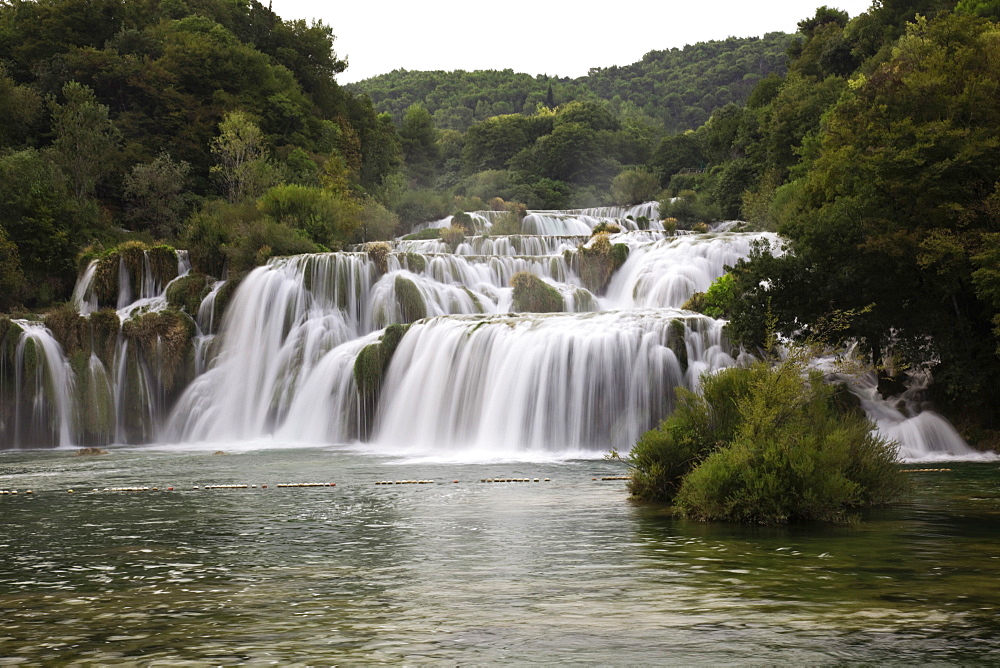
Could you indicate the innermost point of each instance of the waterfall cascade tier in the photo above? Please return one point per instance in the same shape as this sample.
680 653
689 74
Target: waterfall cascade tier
415 348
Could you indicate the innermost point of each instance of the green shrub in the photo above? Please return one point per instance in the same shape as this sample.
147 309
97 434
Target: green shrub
506 223
765 445
427 234
634 186
717 302
605 227
533 295
453 236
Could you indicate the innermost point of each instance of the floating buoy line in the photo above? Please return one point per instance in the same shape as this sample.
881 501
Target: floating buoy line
287 485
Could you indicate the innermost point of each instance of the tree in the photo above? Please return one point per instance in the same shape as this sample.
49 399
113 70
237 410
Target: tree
418 138
87 143
901 177
155 192
241 156
634 186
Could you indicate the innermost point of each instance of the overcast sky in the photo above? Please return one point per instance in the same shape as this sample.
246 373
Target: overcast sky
535 36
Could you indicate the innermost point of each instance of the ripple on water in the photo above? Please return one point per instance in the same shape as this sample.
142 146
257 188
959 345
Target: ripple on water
474 573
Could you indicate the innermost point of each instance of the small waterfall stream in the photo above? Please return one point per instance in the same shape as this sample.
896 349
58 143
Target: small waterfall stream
468 378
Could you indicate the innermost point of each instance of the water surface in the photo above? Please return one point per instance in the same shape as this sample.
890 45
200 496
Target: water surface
469 572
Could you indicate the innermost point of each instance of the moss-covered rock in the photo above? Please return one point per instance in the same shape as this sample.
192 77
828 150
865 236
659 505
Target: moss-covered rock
533 295
187 293
410 301
133 255
677 341
378 253
69 328
415 262
225 295
605 227
598 261
164 338
370 367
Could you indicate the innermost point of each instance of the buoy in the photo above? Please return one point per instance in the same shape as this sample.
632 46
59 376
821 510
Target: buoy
68 491
28 491
546 480
170 489
454 481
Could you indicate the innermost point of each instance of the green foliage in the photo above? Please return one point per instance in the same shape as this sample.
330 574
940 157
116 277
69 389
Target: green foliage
42 222
634 186
505 224
155 193
377 222
426 234
325 217
418 138
11 276
533 295
679 88
718 301
20 108
87 142
765 445
453 236
242 167
421 206
690 207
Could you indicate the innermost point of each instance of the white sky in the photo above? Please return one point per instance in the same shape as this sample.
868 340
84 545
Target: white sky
535 36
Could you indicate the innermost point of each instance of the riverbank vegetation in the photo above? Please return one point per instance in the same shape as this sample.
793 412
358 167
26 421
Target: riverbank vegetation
766 445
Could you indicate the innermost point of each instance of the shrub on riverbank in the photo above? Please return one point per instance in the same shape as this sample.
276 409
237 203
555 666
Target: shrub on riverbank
765 445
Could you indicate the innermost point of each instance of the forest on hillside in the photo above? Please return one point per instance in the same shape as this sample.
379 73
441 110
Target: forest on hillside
678 87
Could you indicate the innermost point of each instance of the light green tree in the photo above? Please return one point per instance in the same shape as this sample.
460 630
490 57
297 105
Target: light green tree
241 156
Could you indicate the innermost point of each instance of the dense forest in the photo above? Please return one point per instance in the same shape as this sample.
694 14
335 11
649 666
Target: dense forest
869 143
680 88
214 125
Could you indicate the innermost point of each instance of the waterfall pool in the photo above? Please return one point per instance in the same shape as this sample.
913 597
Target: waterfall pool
467 572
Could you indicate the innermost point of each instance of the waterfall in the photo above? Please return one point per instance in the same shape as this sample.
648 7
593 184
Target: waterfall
44 389
541 383
279 357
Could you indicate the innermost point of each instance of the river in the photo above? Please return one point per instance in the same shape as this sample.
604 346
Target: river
463 571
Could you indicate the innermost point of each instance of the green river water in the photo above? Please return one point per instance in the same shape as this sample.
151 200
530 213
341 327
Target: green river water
566 571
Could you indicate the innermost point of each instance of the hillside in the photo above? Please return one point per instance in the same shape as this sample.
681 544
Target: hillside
679 87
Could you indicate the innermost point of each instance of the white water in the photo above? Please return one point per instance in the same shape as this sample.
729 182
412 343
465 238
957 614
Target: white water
490 387
470 380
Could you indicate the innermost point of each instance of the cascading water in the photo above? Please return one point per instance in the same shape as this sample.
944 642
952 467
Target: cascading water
467 379
541 383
